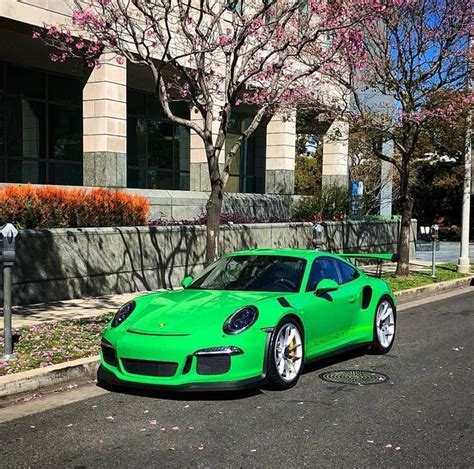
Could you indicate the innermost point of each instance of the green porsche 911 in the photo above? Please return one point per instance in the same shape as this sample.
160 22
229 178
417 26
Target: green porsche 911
251 318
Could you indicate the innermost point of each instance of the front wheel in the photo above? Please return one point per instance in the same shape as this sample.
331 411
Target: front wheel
286 355
384 326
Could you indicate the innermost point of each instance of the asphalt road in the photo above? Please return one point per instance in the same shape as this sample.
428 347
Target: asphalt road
421 417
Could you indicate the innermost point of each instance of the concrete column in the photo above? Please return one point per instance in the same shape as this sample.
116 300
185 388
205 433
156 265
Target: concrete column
280 160
105 125
386 181
336 154
198 169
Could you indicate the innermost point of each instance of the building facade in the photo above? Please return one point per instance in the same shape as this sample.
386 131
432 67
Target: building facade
62 123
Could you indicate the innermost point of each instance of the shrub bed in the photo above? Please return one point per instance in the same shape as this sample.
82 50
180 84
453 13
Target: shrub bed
31 207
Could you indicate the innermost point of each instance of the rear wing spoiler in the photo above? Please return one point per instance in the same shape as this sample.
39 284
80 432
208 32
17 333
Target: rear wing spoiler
379 258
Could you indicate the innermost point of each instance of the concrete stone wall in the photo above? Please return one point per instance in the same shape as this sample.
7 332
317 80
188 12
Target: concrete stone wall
187 205
360 236
62 264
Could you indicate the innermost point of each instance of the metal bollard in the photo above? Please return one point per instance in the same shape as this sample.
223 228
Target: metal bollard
7 257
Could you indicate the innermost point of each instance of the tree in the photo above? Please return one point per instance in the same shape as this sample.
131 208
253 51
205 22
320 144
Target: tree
410 54
218 55
308 174
439 171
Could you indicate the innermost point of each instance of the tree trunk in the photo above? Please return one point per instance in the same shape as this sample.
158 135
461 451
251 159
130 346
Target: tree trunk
213 211
403 266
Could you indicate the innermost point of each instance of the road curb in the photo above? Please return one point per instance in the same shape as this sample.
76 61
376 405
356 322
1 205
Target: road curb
417 293
33 380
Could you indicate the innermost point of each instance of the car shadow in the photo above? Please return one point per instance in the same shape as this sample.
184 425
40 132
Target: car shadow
311 367
335 359
183 395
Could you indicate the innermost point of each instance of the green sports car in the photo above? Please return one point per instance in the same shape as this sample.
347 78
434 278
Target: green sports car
251 318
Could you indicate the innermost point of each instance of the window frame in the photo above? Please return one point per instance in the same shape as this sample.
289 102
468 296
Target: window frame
176 172
48 102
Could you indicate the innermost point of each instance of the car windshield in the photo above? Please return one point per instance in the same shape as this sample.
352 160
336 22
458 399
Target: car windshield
253 273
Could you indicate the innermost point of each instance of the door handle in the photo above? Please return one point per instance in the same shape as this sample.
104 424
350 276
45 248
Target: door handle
352 300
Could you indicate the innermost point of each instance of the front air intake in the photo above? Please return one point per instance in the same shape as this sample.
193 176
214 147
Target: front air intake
213 364
149 368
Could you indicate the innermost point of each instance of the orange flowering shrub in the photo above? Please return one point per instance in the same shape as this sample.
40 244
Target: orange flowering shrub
53 207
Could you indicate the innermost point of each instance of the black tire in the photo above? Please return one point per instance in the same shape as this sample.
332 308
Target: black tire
377 346
274 379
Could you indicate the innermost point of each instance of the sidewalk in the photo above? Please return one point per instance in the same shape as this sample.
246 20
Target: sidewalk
68 309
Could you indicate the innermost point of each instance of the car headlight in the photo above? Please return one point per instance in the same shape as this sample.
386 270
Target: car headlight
241 320
123 313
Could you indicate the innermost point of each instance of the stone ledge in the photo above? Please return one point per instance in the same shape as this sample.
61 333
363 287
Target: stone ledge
32 380
412 294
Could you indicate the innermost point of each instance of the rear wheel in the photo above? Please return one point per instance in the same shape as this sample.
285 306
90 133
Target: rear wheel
384 326
286 354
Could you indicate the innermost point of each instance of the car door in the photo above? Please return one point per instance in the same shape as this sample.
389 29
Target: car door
329 317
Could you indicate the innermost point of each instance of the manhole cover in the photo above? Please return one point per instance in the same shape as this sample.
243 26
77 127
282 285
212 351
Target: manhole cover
360 377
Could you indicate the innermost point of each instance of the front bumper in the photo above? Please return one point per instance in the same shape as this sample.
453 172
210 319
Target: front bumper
177 363
104 376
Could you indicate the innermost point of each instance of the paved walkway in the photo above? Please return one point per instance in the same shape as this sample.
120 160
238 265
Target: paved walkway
68 309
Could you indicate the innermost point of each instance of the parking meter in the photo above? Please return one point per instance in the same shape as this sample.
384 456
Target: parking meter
434 232
7 244
8 234
317 240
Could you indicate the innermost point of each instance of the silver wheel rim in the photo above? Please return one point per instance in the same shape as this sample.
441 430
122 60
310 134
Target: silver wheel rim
288 352
385 324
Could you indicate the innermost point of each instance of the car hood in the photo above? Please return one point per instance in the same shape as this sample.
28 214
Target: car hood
183 312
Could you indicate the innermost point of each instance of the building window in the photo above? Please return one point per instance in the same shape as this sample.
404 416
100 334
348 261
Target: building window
157 149
40 127
248 161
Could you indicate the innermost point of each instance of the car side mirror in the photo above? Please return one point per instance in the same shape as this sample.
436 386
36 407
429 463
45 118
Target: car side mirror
325 286
186 281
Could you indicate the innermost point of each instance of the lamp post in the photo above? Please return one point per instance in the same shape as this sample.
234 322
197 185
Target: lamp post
463 263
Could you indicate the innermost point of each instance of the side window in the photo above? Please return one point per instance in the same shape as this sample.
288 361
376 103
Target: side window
346 272
323 267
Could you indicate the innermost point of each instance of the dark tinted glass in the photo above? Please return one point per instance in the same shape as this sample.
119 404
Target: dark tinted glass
155 111
25 122
155 145
347 272
181 109
253 273
323 268
183 183
63 89
23 171
25 82
136 178
160 145
2 78
69 174
136 103
136 142
65 133
2 126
